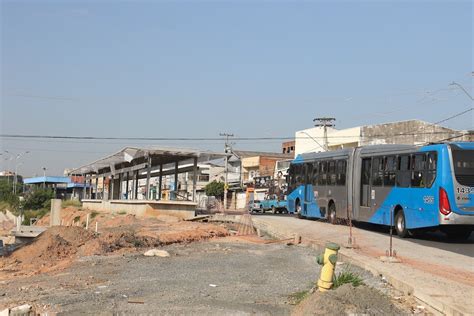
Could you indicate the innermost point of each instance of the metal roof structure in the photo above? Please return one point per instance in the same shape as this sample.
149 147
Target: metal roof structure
137 155
248 153
40 180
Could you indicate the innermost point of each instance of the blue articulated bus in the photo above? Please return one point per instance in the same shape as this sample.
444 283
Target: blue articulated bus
408 187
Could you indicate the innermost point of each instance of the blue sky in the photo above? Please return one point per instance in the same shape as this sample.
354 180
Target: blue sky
194 69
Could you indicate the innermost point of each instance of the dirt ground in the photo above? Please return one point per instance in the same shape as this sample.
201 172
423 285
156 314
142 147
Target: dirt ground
59 246
73 271
348 300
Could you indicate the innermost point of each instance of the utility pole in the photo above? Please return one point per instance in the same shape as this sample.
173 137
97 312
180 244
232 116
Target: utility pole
227 150
44 177
325 122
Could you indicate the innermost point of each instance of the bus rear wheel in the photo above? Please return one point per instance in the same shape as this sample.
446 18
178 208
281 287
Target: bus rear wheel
332 214
400 225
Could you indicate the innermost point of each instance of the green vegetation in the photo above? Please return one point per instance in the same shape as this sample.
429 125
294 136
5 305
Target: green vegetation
77 219
8 200
298 297
33 214
215 189
347 277
71 203
38 199
122 213
94 214
35 204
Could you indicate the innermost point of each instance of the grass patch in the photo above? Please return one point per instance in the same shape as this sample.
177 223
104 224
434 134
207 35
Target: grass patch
94 214
34 214
77 219
347 277
5 206
298 297
69 203
122 213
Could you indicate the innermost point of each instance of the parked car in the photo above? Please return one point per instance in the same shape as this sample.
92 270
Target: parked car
274 205
255 206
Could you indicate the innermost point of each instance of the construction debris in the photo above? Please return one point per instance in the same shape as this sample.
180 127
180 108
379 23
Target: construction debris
157 253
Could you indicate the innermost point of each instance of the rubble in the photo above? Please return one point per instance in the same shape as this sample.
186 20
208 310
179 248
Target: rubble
156 253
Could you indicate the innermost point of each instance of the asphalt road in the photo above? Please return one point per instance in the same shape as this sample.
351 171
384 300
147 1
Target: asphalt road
428 239
432 239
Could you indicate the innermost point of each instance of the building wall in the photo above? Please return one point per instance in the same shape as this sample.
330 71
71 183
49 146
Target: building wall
288 147
312 139
412 132
267 166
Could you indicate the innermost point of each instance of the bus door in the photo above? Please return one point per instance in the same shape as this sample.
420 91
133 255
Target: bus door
381 187
365 189
308 190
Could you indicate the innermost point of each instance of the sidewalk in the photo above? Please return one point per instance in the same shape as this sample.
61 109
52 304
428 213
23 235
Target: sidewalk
441 279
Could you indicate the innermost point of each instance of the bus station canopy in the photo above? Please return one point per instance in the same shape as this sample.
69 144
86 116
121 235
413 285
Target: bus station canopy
141 156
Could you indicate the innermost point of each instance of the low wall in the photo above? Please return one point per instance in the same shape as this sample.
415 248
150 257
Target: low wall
181 209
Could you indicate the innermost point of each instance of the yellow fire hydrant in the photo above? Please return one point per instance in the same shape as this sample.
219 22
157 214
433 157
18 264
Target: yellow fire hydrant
328 261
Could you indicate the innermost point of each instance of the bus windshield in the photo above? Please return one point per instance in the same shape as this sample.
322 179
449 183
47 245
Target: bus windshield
463 162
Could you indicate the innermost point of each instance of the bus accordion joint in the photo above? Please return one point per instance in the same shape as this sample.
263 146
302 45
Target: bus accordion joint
444 206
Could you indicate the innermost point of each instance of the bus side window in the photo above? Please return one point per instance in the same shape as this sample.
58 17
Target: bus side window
418 164
297 175
289 177
390 167
403 171
308 173
322 172
341 172
332 173
315 173
377 171
430 174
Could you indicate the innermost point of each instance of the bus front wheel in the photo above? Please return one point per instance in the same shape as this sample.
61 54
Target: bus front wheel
400 225
298 209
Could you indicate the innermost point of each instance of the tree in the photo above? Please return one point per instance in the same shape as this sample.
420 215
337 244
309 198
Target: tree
38 199
215 189
10 200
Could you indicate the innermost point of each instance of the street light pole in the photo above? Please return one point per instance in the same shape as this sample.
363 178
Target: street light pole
462 88
44 177
16 177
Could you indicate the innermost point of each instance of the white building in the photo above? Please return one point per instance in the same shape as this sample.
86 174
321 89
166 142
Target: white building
414 132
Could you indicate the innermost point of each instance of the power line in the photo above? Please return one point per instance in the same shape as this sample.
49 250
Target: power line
93 138
454 116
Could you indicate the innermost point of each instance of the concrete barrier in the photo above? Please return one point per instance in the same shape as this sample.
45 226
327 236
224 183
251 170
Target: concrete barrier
55 218
141 208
